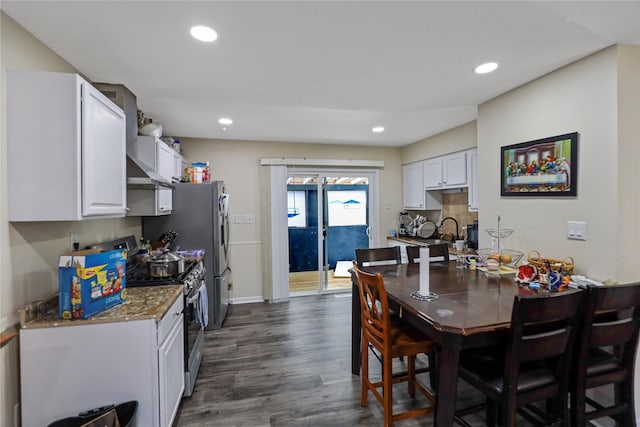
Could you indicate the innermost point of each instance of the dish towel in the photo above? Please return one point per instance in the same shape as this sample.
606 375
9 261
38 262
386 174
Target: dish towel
203 306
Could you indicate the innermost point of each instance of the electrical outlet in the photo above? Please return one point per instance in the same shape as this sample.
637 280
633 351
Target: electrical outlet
73 239
236 219
248 219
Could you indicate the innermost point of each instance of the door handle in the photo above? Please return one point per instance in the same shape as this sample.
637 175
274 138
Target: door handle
368 232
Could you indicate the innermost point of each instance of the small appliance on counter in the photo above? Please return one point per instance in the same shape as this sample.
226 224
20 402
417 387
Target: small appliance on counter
472 235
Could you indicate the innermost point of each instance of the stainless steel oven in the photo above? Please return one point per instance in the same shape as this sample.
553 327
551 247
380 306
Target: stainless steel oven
193 281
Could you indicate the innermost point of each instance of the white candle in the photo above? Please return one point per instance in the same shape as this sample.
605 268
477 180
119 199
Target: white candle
424 271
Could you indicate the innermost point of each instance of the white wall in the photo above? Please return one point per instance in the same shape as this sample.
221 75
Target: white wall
457 139
29 251
238 164
581 97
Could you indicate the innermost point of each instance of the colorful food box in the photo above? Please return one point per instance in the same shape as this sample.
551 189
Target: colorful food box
91 281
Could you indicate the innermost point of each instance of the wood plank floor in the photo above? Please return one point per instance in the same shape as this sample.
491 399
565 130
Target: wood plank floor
288 364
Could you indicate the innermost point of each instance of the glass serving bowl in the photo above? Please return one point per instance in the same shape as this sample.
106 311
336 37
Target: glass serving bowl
501 233
508 257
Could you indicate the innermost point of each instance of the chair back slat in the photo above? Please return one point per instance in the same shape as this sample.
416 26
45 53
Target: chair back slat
378 256
612 316
437 252
542 328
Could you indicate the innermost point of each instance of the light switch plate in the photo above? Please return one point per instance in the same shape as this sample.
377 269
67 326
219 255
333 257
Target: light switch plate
577 230
236 219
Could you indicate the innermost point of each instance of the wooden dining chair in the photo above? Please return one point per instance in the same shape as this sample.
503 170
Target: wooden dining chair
393 339
437 252
533 366
607 343
378 256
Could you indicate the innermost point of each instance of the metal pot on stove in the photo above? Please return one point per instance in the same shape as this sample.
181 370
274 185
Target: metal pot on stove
165 264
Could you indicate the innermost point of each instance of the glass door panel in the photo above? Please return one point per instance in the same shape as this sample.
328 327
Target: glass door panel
328 219
346 226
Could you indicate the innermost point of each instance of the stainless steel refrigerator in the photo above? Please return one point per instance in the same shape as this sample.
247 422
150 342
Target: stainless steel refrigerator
200 218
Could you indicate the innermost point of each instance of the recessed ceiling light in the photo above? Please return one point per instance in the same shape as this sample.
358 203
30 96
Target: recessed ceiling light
487 67
377 129
225 121
203 33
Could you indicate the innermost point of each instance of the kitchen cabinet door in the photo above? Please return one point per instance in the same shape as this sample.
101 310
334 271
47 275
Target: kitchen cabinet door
171 372
177 166
433 173
472 168
66 149
164 160
103 155
445 172
454 170
413 186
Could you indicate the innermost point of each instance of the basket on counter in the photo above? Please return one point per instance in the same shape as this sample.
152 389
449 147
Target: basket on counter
542 264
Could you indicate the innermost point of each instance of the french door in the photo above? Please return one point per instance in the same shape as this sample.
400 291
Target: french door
329 216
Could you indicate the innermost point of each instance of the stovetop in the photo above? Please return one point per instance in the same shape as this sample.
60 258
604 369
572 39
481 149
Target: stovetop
194 273
138 275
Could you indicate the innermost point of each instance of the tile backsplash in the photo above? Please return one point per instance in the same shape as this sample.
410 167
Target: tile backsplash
456 205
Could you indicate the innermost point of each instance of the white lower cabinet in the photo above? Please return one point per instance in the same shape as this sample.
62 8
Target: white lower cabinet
68 369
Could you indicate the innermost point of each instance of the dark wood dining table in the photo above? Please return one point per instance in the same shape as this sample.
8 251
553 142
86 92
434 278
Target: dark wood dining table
472 310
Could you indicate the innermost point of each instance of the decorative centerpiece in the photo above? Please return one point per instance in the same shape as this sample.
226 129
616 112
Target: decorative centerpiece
497 257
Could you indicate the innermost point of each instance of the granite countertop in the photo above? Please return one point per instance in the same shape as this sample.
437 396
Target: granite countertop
147 302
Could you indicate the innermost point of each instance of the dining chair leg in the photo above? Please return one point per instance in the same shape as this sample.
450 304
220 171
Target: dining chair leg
624 393
364 374
387 387
411 372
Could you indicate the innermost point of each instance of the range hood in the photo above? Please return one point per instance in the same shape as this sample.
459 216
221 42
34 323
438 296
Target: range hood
141 171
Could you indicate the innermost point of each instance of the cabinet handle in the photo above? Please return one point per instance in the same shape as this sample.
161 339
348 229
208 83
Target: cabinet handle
178 313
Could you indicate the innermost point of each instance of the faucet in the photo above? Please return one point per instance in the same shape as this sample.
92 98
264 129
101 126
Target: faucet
452 219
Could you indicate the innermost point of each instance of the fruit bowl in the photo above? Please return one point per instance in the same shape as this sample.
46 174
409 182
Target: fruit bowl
508 257
502 233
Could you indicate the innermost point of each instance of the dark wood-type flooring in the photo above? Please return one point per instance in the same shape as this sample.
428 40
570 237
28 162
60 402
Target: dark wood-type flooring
288 364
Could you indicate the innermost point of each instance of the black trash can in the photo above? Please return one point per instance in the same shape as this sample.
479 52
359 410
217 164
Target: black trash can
126 413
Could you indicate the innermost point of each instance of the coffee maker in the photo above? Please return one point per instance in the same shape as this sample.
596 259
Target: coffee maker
472 235
404 222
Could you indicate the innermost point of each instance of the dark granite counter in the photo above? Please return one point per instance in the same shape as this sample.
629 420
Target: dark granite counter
148 302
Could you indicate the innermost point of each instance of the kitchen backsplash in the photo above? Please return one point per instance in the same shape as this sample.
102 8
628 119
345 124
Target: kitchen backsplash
456 205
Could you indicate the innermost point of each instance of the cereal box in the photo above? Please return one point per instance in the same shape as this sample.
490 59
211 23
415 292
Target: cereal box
91 281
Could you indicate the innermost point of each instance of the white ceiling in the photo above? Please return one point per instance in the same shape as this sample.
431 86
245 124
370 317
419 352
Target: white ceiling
322 71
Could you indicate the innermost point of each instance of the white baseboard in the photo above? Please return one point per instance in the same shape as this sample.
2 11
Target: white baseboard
246 300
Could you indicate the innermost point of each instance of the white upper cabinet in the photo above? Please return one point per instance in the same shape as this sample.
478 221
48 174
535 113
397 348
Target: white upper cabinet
413 186
448 171
414 195
66 149
472 173
179 163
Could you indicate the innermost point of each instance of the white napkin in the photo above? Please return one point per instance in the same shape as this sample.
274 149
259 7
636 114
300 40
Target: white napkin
424 271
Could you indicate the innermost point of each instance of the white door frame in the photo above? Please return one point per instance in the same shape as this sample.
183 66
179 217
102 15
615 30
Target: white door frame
279 228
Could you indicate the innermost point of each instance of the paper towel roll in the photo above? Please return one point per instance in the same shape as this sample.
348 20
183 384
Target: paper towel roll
424 271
